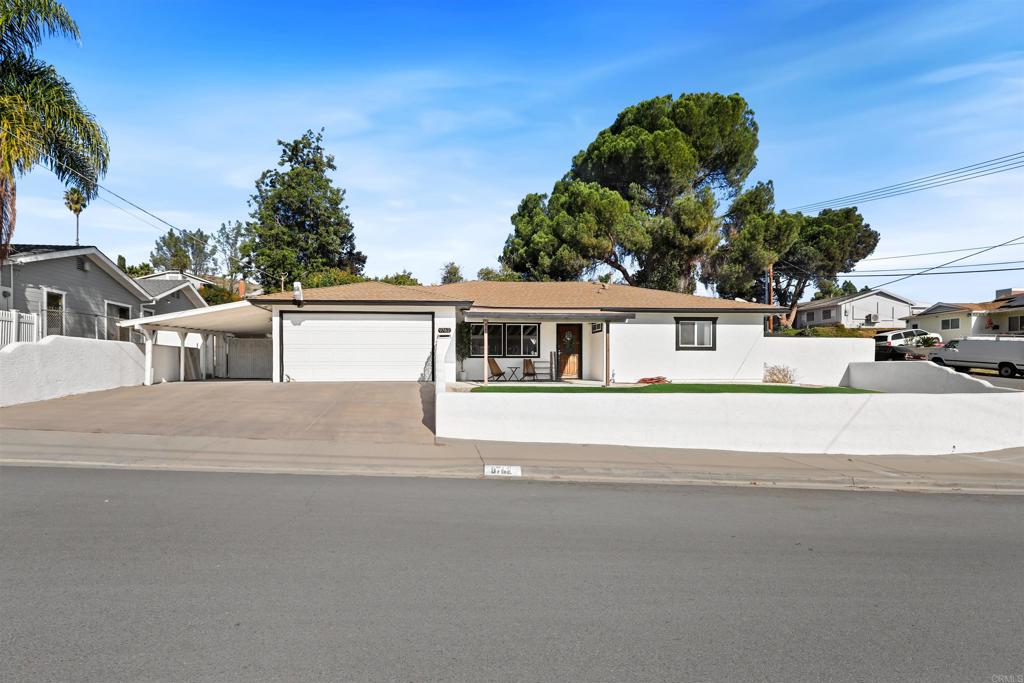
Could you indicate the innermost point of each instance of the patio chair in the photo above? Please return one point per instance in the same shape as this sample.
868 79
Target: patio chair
529 370
496 373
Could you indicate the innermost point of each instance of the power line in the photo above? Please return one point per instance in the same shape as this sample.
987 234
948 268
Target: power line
1001 164
956 260
864 200
945 272
933 253
182 232
890 271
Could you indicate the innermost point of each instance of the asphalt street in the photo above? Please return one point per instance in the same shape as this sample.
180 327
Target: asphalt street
180 576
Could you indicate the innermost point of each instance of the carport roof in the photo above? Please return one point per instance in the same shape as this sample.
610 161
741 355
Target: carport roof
237 317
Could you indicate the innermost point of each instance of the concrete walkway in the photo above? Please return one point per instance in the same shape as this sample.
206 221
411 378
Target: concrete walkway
1001 472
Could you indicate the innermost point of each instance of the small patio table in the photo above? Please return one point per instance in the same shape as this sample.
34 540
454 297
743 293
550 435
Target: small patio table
512 370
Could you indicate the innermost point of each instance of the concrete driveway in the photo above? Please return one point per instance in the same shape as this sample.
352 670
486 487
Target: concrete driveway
370 412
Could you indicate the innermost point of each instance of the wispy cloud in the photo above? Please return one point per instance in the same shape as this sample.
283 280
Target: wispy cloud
1010 65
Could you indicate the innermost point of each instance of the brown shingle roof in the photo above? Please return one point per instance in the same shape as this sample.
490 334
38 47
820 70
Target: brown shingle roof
525 295
585 295
381 292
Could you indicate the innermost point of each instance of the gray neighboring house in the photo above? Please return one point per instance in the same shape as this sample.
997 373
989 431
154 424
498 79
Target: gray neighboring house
78 292
170 296
870 308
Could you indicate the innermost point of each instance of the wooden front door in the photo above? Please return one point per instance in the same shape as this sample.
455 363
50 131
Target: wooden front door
570 351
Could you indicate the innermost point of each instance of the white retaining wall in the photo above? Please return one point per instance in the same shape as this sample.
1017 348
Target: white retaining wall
859 424
61 366
916 377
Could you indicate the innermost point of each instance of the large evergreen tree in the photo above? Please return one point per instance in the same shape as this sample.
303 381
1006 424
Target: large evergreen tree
642 198
187 250
299 224
827 244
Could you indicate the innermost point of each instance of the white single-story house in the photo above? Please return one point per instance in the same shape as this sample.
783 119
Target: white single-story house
870 308
1003 315
372 331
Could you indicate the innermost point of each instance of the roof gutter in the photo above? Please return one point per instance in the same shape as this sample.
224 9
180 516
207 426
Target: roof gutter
764 310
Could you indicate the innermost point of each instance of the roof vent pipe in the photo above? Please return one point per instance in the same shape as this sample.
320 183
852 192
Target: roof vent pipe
297 298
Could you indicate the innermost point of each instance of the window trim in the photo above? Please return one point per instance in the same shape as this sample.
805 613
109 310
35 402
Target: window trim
504 340
501 336
714 334
63 309
106 320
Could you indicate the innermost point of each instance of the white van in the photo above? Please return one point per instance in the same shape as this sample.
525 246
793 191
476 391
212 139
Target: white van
1005 354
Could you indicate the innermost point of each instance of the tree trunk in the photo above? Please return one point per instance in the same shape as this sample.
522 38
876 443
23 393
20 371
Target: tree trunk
622 269
8 215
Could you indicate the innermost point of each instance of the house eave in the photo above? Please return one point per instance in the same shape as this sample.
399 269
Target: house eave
523 314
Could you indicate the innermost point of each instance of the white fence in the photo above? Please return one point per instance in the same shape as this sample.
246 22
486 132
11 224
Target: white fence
16 326
855 424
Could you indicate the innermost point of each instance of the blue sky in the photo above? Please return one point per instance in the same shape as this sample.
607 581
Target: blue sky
442 117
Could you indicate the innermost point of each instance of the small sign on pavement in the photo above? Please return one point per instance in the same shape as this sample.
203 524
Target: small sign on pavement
503 471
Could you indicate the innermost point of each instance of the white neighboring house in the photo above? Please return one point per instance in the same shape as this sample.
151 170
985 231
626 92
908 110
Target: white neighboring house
372 331
871 308
1004 315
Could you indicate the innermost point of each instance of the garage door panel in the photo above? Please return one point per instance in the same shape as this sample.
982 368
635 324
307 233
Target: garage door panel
338 347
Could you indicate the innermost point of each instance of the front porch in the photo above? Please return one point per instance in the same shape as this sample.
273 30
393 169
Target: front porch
509 345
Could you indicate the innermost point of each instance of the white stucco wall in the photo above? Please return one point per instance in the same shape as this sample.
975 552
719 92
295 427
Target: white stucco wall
916 377
61 366
646 347
790 423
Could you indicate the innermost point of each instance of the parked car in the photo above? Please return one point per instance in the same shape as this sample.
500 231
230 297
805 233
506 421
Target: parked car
1005 354
897 344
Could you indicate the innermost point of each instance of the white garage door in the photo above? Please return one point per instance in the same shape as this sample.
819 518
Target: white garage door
347 347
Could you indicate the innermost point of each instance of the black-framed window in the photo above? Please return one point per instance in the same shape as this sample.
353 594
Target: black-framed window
506 340
522 340
696 334
950 323
826 315
495 340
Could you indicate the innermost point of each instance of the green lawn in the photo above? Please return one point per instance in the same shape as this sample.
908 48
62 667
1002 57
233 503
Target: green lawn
672 389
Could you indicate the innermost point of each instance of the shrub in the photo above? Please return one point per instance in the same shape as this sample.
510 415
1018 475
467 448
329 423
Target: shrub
779 374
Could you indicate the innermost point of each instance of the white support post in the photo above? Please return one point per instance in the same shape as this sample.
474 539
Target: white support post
15 326
147 379
607 353
204 350
181 356
487 369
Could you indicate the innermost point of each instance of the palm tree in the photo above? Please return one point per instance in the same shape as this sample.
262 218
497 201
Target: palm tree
75 201
42 122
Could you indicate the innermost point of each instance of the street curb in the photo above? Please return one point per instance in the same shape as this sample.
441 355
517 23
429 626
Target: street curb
563 475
